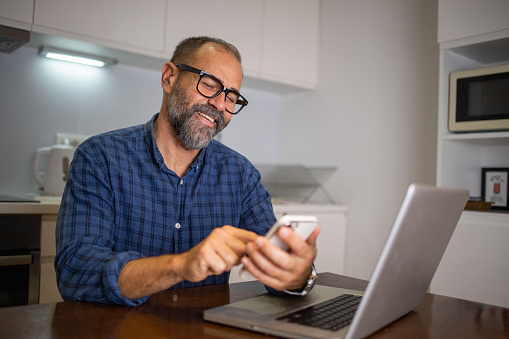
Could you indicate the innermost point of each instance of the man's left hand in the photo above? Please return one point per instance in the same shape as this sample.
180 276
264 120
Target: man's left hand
280 269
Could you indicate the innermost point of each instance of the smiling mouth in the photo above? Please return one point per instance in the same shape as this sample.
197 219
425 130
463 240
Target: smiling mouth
207 117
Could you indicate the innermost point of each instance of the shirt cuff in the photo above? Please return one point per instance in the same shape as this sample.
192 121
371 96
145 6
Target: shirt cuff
110 280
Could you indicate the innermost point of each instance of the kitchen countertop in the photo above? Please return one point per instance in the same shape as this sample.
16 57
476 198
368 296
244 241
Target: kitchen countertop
46 205
51 204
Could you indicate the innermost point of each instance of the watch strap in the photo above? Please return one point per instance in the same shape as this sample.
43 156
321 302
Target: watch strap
308 286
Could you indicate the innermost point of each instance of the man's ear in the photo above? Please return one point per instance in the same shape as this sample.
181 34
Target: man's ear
169 76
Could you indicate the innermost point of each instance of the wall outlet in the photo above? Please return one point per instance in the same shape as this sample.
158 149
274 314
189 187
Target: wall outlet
71 139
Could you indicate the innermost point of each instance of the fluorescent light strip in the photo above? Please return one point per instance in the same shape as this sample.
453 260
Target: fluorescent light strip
75 59
80 58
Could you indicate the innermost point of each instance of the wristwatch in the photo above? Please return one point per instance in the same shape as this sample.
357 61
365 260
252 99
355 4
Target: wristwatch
308 286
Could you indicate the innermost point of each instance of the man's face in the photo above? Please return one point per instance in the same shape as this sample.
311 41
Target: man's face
194 118
191 132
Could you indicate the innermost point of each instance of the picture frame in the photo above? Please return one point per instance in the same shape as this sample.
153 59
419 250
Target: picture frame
494 187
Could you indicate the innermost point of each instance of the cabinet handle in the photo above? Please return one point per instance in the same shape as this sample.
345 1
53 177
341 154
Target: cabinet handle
16 260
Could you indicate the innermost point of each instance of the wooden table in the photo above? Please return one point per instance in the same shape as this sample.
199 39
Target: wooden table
178 314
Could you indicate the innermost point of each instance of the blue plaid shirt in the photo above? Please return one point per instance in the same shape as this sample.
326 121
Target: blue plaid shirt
122 203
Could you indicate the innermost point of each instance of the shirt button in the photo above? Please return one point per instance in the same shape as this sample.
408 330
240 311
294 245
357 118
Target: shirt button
177 225
182 181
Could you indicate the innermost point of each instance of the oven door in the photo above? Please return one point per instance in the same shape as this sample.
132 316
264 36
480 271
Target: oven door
20 278
20 256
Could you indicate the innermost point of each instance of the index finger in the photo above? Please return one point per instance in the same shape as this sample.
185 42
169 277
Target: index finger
243 235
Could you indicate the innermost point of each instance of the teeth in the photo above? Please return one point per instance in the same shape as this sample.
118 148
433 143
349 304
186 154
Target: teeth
209 118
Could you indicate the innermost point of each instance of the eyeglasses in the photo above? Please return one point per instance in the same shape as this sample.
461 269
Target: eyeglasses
210 87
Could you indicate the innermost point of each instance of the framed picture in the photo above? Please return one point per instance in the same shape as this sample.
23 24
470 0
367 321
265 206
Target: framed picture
494 187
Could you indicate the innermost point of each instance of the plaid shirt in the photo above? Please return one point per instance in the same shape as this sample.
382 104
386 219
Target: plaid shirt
122 203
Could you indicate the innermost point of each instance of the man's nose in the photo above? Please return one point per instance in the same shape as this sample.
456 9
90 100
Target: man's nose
218 102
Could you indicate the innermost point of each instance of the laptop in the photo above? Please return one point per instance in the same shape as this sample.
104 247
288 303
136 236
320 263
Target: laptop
402 275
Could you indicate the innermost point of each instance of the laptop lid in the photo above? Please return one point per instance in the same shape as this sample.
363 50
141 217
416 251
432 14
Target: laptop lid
402 275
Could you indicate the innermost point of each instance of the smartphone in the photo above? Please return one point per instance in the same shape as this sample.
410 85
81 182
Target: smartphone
302 225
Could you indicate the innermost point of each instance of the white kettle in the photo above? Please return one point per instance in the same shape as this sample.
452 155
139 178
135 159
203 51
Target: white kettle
58 158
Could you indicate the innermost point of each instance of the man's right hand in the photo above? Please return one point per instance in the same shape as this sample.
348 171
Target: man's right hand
217 253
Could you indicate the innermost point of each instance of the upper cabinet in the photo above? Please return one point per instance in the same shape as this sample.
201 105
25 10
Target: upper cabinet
129 25
459 19
291 32
17 13
238 22
278 39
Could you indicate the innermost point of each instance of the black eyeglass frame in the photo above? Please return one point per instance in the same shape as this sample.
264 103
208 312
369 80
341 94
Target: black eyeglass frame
240 101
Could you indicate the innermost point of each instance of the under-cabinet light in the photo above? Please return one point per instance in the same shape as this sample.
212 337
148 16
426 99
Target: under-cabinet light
76 57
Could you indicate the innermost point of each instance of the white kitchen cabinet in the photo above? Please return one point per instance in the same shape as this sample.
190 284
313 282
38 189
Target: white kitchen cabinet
17 13
474 266
472 34
458 19
331 242
278 39
129 25
291 42
48 289
238 22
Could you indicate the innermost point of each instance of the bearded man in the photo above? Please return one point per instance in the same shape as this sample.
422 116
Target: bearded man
164 206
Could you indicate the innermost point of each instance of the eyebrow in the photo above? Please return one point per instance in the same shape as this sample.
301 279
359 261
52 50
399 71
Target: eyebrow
222 82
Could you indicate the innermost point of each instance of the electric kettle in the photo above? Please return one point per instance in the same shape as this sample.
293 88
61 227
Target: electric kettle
58 158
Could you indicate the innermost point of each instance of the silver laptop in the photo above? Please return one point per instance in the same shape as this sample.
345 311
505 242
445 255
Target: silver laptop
402 275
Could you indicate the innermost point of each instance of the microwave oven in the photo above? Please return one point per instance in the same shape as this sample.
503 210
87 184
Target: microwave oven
479 100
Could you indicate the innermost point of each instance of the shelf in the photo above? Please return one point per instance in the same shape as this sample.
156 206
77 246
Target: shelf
486 52
483 139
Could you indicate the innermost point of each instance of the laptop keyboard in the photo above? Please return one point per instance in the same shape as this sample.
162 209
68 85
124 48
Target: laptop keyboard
331 314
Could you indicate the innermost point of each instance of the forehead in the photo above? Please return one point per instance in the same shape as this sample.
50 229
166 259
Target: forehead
220 63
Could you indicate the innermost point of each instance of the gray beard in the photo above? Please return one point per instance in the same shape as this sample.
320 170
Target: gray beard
191 133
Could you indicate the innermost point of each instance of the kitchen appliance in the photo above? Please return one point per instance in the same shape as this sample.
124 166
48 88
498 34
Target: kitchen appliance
479 99
58 158
20 254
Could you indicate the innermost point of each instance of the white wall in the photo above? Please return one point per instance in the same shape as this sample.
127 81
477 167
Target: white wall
40 97
373 115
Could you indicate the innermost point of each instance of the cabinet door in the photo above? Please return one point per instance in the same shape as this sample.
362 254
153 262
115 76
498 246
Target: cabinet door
474 266
17 13
291 41
459 19
238 22
48 289
331 243
131 25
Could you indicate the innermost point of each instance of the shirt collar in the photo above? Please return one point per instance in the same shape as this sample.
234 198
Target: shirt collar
156 154
151 141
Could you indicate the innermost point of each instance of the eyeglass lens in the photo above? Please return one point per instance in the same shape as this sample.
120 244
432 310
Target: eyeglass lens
211 87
